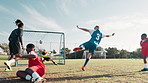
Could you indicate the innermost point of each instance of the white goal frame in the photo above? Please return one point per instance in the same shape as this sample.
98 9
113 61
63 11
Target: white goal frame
62 42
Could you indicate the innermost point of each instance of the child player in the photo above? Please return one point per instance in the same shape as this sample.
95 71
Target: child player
36 69
92 44
15 39
47 58
144 45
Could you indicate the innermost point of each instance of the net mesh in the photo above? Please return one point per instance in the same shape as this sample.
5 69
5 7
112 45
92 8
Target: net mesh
46 41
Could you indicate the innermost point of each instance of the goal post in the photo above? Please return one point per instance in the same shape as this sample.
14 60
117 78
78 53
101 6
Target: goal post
46 40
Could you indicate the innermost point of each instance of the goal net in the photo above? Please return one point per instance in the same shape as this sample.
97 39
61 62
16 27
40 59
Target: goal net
51 42
96 55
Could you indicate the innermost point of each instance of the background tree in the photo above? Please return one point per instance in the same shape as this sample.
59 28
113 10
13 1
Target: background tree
99 49
112 52
124 54
136 53
5 47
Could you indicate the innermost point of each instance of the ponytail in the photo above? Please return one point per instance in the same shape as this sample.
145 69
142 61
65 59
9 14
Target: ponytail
19 23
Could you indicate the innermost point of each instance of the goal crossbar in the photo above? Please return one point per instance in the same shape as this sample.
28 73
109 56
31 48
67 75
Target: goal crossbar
62 41
43 31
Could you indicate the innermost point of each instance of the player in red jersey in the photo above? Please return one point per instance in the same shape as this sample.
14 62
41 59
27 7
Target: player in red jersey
144 45
36 69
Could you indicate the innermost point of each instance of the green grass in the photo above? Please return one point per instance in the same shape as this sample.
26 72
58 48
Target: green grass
3 57
98 71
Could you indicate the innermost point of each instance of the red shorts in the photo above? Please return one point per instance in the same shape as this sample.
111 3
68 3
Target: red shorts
39 69
145 51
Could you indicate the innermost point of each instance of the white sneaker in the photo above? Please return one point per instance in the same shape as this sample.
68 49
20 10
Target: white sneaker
6 69
39 80
8 65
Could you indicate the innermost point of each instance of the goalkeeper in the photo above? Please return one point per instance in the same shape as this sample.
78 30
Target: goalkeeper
47 58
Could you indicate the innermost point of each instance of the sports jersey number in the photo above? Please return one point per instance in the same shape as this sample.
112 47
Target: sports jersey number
98 36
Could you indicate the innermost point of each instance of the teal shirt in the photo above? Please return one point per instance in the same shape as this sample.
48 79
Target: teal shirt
96 37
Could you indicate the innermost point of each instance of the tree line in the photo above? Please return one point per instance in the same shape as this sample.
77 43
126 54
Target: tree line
111 52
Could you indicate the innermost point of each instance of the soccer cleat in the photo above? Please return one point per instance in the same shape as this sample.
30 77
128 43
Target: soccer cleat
77 49
55 63
83 68
39 80
6 69
8 65
144 69
32 80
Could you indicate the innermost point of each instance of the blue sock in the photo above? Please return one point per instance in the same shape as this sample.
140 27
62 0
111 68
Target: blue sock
86 61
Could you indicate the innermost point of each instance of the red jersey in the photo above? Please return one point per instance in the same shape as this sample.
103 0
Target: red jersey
35 61
36 64
144 45
144 42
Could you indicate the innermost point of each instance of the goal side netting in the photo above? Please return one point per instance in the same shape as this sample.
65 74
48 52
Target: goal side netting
51 42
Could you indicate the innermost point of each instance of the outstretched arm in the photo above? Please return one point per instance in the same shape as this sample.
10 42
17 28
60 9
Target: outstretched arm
27 56
110 35
83 29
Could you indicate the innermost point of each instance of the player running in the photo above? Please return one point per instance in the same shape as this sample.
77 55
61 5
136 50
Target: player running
92 44
36 69
15 39
144 45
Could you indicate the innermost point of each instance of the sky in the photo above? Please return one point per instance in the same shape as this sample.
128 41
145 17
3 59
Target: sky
128 19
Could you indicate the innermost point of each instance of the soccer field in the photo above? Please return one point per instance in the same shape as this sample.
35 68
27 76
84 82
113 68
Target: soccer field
98 71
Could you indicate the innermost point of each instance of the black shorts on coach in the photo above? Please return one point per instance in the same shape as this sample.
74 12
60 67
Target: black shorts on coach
14 48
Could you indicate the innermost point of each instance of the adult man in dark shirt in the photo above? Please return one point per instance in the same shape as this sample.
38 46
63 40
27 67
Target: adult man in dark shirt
15 39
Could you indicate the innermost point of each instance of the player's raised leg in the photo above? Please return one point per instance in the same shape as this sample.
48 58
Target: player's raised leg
78 48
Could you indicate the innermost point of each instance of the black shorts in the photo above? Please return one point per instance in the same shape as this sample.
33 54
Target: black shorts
46 58
14 48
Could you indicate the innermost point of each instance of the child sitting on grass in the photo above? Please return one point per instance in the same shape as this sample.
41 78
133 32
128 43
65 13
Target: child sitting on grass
36 69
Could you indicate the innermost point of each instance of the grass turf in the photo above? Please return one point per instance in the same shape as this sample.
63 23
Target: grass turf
98 71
